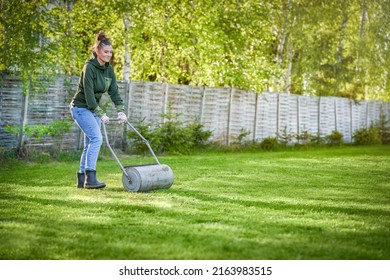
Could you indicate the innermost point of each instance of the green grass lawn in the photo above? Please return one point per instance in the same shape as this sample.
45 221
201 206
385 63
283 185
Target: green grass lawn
307 204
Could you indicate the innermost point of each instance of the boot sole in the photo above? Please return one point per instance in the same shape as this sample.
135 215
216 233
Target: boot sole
94 187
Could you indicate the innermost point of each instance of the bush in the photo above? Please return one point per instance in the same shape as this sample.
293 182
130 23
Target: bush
200 137
336 138
368 136
305 139
174 138
269 143
6 155
135 143
286 137
54 130
384 129
241 138
171 136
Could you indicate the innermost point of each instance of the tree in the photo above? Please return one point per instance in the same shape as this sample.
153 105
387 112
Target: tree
313 47
334 48
25 45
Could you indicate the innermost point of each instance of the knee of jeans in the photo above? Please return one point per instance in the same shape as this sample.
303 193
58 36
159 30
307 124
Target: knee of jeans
97 140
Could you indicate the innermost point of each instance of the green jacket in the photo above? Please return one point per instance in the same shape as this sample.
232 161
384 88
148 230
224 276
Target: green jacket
95 80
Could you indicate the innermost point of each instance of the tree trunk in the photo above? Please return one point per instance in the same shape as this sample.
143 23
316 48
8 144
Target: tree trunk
290 56
340 51
282 46
127 58
363 20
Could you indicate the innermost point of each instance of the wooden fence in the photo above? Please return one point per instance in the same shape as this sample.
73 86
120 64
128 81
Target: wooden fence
227 112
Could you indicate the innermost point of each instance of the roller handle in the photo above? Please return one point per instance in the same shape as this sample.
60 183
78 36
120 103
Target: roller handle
113 153
139 134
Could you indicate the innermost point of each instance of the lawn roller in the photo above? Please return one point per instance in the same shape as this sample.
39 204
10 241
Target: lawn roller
143 178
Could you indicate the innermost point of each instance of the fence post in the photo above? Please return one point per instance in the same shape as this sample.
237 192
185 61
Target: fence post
298 112
277 115
351 120
335 114
202 102
255 118
319 119
165 105
229 116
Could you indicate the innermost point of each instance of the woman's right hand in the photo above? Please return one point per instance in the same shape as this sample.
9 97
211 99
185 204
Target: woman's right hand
122 117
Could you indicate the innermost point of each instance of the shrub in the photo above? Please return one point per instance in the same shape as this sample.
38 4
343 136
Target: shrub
54 130
269 143
286 137
39 131
135 143
171 136
241 138
336 138
199 135
368 136
384 129
305 139
6 155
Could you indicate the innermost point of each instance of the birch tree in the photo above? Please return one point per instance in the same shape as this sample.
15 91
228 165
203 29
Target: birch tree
311 47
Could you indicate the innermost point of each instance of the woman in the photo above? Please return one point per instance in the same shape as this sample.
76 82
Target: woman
96 78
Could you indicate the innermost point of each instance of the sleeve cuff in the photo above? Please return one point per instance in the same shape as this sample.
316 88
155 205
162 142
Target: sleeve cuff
120 108
98 111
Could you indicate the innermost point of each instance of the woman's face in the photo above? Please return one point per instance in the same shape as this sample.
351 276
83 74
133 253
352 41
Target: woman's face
104 54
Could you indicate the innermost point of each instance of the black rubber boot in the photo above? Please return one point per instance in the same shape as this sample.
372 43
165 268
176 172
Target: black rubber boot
80 180
91 182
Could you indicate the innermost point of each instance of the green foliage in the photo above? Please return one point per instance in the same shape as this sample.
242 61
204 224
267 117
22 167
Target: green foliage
368 136
269 143
241 138
39 131
55 129
384 129
286 136
174 137
171 137
25 44
305 138
336 138
136 144
307 47
6 155
200 137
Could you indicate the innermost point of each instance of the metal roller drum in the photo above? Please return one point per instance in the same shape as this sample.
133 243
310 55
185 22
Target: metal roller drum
144 178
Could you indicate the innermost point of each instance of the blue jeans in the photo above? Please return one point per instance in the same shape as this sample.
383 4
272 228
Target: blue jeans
89 123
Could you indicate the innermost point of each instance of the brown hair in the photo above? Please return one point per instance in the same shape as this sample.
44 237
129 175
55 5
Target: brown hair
100 41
